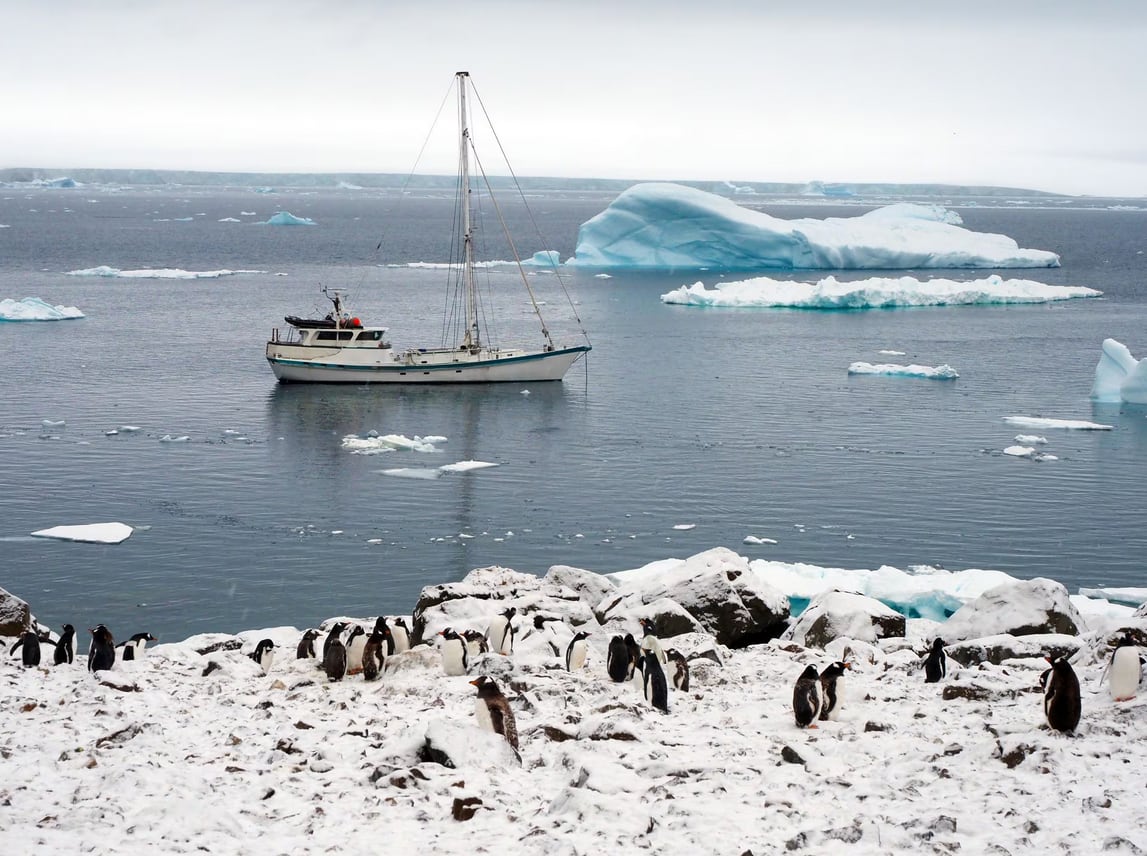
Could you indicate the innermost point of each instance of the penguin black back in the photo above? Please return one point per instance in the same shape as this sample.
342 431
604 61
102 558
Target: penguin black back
806 698
101 654
828 687
680 670
335 633
617 659
936 666
635 655
376 651
1061 702
306 648
66 648
334 657
500 715
30 643
656 691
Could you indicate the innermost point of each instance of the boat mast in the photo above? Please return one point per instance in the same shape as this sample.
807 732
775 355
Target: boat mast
472 339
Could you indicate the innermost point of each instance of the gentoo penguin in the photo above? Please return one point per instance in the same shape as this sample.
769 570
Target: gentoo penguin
653 682
680 670
306 649
806 698
830 689
134 648
30 642
475 644
493 711
1124 672
382 629
936 666
617 659
576 651
101 654
1061 701
264 654
375 652
355 643
66 647
401 634
650 642
454 659
334 654
500 633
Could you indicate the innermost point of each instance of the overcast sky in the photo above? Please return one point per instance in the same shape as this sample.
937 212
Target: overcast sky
1047 95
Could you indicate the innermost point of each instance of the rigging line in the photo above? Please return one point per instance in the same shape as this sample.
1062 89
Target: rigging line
529 211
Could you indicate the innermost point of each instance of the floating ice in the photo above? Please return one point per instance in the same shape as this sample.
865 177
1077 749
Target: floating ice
464 466
168 438
874 293
92 533
1069 424
1129 595
543 258
286 218
891 353
1029 452
667 226
944 372
1119 376
684 527
1030 439
376 445
53 423
156 273
753 539
35 309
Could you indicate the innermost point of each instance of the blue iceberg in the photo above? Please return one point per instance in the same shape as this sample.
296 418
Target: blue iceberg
286 218
671 227
35 309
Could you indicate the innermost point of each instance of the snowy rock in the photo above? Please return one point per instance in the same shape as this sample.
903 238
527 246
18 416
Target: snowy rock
590 587
15 615
996 649
1022 608
844 614
717 588
460 744
619 614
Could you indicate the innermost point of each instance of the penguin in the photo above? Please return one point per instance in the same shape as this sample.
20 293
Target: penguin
375 652
635 655
264 654
306 649
334 654
500 633
475 644
650 642
830 689
1061 702
680 670
617 659
576 651
66 648
101 654
653 681
30 642
936 666
493 711
806 698
386 635
355 643
401 636
454 659
133 648
1124 672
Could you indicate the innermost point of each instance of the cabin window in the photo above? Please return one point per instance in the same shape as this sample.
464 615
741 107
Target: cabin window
334 335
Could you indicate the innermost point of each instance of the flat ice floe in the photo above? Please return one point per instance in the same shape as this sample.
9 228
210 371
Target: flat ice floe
944 372
92 533
156 273
377 444
875 293
35 309
1067 424
1029 452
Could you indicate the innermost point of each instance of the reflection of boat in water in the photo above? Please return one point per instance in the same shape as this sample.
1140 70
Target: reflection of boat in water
340 349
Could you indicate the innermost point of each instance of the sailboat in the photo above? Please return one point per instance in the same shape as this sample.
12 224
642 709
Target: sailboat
340 348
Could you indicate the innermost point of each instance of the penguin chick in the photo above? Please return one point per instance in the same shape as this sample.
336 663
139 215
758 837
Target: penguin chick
454 659
306 648
493 711
577 651
936 666
806 698
66 648
617 659
334 655
500 633
374 654
264 654
653 682
30 642
830 689
334 634
1061 702
475 644
101 654
680 670
650 642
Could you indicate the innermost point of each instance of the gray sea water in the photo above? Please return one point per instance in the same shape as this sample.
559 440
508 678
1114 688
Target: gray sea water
737 422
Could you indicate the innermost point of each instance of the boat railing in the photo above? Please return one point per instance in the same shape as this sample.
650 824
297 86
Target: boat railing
288 336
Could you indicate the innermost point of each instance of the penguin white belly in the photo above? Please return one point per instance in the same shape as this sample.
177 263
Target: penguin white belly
454 657
482 716
498 635
1124 674
473 649
653 644
354 654
267 661
401 640
577 656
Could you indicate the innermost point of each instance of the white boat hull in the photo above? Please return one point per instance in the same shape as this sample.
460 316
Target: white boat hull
297 364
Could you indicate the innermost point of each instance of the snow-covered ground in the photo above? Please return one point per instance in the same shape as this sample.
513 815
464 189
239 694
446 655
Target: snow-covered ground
173 754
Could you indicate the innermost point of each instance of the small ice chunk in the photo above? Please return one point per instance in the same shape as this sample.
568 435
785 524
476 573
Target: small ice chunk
754 539
685 526
1030 439
463 466
92 533
944 372
1069 424
167 438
